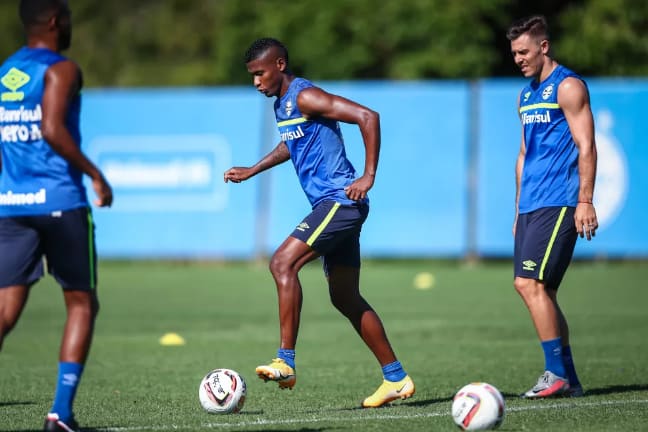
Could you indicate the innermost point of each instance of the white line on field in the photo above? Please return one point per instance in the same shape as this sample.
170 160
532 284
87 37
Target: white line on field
307 420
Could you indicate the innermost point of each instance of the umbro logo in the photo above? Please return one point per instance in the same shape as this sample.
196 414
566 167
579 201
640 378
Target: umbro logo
13 80
303 226
529 265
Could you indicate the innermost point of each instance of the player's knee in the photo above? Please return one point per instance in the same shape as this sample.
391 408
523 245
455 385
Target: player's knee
7 324
280 266
5 327
95 307
340 302
526 287
349 305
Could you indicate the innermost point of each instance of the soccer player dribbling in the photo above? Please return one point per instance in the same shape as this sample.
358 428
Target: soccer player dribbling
555 173
44 209
307 118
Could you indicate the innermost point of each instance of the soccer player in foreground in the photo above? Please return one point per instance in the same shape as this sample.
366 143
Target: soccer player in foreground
44 209
307 118
555 173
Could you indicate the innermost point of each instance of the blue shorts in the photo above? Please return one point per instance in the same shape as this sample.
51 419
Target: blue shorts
544 244
333 231
65 239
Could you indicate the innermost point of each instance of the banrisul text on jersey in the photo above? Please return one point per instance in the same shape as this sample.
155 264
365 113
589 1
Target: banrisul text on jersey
316 149
550 173
34 180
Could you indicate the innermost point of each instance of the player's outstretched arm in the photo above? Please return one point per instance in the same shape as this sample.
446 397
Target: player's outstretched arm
315 102
62 84
279 155
573 99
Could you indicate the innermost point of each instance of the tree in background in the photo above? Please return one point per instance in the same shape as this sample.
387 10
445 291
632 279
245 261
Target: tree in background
606 37
201 42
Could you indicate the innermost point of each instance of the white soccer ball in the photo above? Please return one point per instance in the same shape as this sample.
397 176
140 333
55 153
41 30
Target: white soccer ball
478 406
222 391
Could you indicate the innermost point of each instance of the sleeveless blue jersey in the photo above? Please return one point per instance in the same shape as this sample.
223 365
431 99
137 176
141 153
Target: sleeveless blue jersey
316 149
34 179
550 174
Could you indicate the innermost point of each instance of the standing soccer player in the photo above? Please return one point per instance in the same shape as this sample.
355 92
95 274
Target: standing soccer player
307 118
44 209
555 174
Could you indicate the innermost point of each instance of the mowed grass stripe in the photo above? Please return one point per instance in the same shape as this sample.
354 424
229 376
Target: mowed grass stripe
470 325
333 419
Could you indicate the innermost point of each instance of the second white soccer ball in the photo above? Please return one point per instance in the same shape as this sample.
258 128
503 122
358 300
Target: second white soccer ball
478 406
222 391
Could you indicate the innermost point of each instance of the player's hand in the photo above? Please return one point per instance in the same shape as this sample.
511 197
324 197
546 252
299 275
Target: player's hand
103 191
586 222
237 174
359 188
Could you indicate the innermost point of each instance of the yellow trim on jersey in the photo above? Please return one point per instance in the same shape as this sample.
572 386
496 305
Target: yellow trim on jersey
554 234
292 121
323 225
539 106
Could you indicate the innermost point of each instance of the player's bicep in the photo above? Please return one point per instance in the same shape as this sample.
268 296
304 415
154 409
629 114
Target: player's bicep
573 99
315 102
61 84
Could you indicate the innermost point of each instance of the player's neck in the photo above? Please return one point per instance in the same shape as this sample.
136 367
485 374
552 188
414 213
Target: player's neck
549 66
288 78
42 42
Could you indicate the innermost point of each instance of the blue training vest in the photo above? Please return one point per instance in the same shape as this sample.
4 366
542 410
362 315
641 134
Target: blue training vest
550 174
34 179
316 149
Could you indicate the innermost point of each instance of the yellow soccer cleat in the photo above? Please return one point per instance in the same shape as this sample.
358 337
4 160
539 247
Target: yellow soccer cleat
278 371
389 391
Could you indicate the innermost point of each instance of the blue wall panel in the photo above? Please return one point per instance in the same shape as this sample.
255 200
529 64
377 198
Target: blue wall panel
165 151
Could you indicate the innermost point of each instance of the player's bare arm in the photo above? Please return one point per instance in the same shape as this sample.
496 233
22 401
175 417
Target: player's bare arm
519 166
573 99
315 102
62 83
279 155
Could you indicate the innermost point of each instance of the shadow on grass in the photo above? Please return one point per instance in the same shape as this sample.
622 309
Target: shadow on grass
426 402
4 404
393 405
616 389
41 430
286 430
234 429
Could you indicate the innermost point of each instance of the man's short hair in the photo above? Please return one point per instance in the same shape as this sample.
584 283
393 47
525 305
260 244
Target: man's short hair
34 12
260 46
536 26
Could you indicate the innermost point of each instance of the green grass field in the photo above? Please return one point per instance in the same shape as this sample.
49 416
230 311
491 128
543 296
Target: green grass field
470 326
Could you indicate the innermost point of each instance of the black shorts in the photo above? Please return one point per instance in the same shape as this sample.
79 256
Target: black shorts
65 239
544 244
333 231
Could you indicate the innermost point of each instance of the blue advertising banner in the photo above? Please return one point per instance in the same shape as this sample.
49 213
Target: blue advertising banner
445 185
164 152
